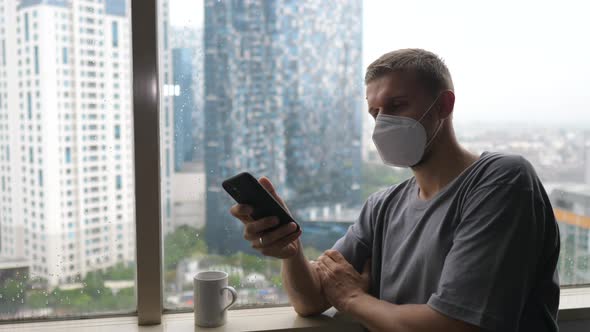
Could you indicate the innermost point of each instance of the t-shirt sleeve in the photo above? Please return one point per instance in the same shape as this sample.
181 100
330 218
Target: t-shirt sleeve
489 270
356 244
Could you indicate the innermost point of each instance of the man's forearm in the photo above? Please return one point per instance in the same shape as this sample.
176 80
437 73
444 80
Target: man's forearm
303 286
379 315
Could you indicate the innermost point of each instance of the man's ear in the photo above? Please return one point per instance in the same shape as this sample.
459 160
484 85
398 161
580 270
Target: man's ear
446 104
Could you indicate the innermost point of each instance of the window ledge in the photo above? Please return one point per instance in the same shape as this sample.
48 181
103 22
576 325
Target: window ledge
574 305
266 319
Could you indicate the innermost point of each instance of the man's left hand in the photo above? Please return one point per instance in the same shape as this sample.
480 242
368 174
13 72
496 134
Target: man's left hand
341 283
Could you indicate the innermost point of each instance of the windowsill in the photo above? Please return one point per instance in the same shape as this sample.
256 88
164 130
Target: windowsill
265 319
574 305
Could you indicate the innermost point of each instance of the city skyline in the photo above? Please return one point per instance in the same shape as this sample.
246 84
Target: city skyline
503 73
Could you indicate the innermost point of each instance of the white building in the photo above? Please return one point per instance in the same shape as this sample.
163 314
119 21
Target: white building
188 187
66 152
167 93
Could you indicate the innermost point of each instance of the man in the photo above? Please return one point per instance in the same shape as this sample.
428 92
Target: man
469 243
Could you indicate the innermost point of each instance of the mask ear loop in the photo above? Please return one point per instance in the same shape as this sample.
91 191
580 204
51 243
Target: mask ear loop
437 129
434 135
428 110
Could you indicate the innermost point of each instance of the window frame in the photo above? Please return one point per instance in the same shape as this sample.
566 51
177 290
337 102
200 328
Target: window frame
146 123
147 153
148 228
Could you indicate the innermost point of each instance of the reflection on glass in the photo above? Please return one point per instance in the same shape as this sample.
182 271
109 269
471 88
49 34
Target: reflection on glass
66 198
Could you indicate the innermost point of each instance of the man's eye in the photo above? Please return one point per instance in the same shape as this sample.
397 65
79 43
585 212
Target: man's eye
394 108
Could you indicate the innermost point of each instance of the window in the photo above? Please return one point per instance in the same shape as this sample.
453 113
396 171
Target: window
36 59
3 52
115 32
64 55
117 131
36 286
226 103
29 106
313 138
26 26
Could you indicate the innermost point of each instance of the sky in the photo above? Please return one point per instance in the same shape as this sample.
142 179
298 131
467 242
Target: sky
513 62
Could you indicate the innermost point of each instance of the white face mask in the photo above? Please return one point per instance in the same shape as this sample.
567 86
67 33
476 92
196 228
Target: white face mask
401 141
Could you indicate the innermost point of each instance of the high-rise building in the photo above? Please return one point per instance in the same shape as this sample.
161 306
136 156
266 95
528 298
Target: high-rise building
283 93
184 106
187 63
167 92
67 198
586 147
572 211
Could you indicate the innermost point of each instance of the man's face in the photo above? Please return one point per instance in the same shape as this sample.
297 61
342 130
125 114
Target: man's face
398 94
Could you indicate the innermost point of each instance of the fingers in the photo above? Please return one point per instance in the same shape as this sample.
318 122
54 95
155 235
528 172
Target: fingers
274 237
335 262
336 256
328 262
254 229
265 182
279 245
242 212
322 271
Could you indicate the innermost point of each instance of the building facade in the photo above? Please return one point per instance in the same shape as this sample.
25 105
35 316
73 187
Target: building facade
571 205
67 195
283 92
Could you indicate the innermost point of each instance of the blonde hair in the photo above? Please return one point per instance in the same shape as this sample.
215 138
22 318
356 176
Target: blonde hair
429 68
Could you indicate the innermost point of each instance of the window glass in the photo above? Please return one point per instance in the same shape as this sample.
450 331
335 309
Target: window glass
66 247
276 88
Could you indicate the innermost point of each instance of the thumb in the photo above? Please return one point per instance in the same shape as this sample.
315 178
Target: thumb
265 182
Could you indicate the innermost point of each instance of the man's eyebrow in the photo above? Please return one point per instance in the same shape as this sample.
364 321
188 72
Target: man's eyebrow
396 97
392 97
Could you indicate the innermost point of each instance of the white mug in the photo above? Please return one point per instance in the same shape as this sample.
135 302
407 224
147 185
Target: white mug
211 298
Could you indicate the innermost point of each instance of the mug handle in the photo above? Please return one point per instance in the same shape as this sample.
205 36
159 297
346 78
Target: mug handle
234 296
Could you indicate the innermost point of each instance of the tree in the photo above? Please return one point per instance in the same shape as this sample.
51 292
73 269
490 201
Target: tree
376 177
120 272
183 242
234 280
12 295
37 299
276 280
94 284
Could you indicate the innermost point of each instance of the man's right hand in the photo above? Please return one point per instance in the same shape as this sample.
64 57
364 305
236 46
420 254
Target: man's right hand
282 242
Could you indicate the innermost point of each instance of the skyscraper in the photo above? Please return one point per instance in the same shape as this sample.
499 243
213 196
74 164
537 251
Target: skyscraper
184 106
283 89
167 92
187 63
572 212
67 198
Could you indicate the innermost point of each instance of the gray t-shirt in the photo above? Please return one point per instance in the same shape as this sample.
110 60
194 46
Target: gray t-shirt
483 250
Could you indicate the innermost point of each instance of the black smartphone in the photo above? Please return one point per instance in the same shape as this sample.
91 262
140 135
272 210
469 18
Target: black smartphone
245 189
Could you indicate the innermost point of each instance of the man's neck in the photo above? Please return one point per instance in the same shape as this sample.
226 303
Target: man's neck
445 162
